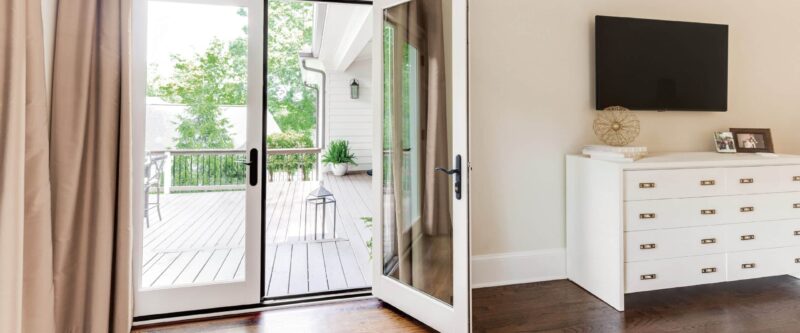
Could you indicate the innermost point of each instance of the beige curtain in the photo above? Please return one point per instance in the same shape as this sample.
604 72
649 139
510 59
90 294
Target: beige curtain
65 235
26 286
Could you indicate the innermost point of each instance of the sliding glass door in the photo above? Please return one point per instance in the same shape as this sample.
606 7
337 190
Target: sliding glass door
198 117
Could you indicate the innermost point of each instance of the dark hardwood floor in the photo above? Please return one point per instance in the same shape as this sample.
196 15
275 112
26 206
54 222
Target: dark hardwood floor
760 305
351 317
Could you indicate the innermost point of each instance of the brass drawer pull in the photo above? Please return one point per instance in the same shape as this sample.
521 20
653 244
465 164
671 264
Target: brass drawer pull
746 181
797 260
647 246
709 270
797 205
708 212
708 182
708 241
797 232
647 185
748 266
747 209
647 216
796 178
748 237
648 277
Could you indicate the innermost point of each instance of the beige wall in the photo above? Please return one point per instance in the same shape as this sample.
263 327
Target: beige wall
531 93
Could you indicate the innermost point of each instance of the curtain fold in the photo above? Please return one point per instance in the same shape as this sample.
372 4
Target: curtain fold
65 224
13 33
90 147
26 285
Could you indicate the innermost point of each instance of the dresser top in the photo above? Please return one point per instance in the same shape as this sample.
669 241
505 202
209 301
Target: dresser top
701 160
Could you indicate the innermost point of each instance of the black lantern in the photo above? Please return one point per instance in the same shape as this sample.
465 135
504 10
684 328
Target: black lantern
354 89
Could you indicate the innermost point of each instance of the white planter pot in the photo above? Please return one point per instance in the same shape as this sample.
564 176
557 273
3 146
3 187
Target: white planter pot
339 169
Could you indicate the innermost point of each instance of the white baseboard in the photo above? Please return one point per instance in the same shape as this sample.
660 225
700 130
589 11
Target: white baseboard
502 269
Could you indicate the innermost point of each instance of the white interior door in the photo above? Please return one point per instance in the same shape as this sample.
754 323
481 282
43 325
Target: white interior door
197 237
421 252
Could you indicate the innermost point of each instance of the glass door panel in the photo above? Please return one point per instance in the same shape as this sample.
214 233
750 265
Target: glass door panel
198 106
420 253
423 267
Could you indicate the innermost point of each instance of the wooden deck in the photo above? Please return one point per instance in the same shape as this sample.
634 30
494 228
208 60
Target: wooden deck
200 239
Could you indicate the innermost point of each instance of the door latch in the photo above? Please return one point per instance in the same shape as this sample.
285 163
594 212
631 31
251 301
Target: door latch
454 172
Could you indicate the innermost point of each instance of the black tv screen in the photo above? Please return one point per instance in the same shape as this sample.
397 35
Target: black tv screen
661 65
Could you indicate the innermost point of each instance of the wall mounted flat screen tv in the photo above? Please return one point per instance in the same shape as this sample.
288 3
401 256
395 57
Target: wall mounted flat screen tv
661 65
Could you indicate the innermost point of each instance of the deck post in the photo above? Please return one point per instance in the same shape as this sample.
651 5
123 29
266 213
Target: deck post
167 172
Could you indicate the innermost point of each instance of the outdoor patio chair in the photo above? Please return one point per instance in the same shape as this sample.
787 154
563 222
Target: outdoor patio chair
154 168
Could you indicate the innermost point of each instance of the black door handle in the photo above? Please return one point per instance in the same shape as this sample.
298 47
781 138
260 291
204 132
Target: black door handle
252 166
454 172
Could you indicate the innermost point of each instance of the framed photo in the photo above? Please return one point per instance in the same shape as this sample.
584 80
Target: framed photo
753 140
724 142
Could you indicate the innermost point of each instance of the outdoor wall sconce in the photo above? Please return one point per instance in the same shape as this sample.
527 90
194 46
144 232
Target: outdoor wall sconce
354 89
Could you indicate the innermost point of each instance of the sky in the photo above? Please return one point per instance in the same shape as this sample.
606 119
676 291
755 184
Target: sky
186 28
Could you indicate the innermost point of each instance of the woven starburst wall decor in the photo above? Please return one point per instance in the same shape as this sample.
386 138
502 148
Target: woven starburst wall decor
616 126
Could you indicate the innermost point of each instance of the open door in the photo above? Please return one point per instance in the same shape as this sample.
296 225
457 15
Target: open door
421 249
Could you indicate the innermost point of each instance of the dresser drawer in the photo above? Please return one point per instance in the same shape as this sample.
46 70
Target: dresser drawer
759 263
679 183
790 178
791 203
672 243
786 233
764 179
676 213
671 273
760 207
792 255
761 235
704 211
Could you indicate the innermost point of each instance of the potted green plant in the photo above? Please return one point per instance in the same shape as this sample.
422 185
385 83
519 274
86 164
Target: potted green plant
338 156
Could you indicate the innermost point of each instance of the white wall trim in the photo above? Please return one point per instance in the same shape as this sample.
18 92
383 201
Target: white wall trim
500 269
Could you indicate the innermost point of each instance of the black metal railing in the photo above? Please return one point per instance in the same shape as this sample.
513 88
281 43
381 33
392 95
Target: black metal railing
189 170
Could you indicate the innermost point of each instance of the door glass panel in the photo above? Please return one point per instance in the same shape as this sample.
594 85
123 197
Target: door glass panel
417 221
195 141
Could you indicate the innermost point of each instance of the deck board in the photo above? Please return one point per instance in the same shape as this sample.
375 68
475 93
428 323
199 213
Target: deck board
333 266
201 239
298 275
279 283
317 280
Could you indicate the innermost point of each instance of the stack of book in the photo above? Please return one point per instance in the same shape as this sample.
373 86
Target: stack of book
617 154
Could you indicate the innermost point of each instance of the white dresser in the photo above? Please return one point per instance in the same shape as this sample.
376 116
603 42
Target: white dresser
680 219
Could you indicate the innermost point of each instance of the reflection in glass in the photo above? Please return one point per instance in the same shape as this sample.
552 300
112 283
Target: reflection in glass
417 221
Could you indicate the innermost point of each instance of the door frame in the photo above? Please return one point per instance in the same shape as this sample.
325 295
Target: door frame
154 303
424 308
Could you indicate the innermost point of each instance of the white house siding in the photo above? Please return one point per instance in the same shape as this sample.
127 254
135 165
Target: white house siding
351 119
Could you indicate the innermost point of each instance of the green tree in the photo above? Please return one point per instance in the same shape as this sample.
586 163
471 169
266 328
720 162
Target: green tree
291 103
204 82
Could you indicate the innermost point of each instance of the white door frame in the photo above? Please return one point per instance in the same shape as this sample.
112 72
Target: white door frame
212 295
425 308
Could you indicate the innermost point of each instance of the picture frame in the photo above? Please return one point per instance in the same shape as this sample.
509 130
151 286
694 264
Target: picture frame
724 142
753 140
